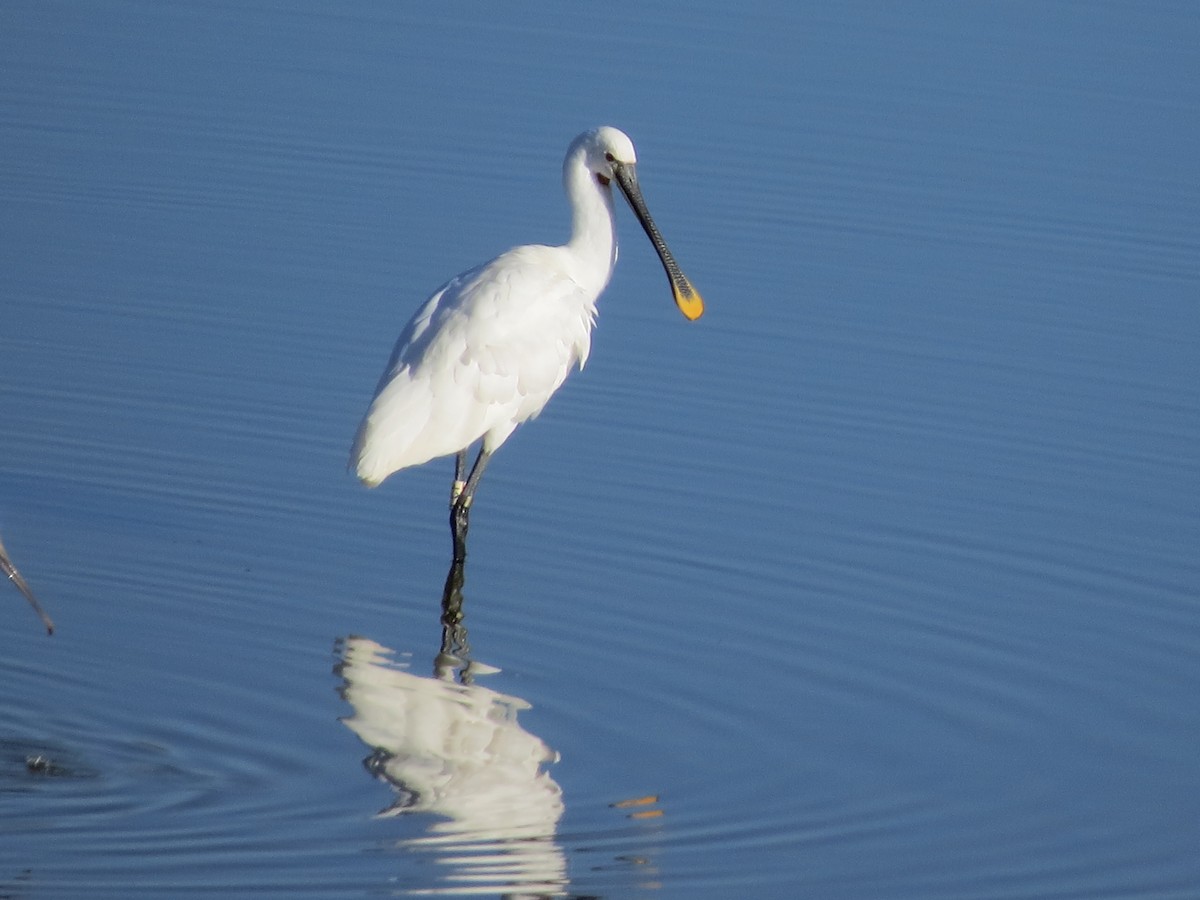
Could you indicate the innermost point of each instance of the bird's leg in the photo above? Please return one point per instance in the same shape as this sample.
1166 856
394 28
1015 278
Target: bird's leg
461 508
468 491
458 516
460 470
458 531
455 653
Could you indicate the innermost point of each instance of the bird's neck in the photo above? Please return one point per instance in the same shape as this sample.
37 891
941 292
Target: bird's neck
593 243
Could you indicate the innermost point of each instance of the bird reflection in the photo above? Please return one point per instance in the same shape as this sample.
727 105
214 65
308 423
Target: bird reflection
454 748
10 571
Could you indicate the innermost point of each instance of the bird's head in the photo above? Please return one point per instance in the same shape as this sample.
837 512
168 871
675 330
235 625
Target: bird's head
609 155
607 149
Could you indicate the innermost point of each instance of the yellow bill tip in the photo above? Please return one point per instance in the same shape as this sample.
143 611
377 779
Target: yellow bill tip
688 299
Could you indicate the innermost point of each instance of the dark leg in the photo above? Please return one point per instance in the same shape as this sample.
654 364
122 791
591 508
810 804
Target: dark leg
453 662
455 653
461 508
460 476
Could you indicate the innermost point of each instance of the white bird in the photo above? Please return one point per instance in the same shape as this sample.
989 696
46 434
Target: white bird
491 346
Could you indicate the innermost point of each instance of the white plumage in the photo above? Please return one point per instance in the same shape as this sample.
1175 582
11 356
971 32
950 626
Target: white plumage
477 360
491 346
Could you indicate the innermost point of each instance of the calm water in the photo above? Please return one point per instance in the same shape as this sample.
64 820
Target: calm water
881 580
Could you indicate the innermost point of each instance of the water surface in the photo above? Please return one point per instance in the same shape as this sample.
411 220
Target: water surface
878 581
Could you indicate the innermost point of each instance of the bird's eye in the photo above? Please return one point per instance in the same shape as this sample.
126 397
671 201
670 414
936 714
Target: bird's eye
610 157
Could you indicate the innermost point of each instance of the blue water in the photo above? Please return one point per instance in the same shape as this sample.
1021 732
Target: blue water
880 580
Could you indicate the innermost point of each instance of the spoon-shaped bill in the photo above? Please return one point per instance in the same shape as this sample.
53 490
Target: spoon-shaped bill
687 298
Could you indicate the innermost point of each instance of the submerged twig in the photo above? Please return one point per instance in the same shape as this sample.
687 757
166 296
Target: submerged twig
6 565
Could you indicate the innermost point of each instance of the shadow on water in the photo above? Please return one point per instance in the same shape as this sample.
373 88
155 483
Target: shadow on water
451 747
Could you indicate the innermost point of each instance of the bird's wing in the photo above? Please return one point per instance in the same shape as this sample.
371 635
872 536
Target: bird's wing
525 324
483 354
